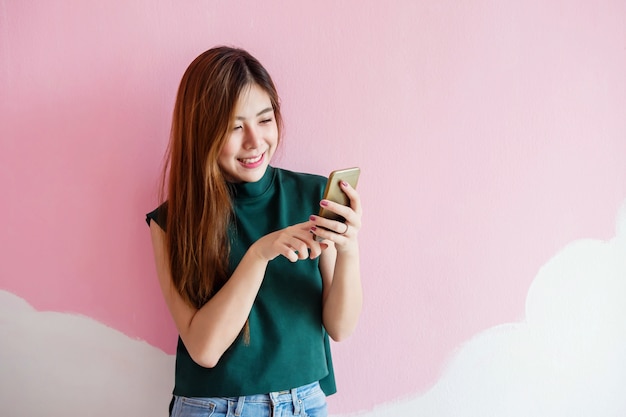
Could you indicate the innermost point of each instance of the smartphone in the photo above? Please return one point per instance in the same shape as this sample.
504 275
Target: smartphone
334 193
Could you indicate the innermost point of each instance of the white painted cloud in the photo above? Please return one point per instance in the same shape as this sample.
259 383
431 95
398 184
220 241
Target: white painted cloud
567 359
56 364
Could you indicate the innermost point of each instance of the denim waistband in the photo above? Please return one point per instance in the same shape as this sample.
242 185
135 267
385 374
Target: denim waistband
294 395
295 400
281 396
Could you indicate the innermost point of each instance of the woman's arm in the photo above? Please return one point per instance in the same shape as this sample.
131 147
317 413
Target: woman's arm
340 266
207 332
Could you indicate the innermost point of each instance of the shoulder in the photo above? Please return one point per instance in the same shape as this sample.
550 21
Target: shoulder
299 179
159 215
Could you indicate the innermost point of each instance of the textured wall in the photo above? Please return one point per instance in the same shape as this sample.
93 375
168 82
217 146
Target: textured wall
491 136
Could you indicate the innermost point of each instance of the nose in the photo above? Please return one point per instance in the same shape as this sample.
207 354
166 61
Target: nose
252 138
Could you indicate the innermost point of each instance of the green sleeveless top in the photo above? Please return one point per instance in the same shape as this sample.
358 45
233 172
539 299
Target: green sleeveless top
288 345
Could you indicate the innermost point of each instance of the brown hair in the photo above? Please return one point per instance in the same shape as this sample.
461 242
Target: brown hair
199 208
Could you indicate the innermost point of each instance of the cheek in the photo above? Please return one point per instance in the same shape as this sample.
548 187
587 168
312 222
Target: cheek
273 134
227 152
224 161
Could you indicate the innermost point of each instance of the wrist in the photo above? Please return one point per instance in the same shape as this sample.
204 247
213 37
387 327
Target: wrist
255 251
349 250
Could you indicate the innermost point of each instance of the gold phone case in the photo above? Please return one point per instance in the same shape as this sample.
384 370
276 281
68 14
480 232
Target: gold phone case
333 190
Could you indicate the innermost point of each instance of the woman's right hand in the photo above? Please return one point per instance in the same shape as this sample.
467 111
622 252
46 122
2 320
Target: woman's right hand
294 243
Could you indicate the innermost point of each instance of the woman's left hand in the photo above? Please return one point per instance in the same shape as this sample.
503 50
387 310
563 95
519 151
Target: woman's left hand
343 235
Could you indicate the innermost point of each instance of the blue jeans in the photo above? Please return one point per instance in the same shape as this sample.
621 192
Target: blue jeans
306 401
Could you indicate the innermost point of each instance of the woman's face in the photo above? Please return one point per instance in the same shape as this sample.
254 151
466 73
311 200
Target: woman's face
252 139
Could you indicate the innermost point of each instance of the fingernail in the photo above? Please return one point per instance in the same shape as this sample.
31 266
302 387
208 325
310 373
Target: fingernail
313 229
324 203
312 218
345 184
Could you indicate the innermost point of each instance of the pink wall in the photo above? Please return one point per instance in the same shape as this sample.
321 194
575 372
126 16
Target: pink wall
490 135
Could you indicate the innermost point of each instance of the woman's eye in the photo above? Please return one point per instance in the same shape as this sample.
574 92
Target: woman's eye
237 127
265 121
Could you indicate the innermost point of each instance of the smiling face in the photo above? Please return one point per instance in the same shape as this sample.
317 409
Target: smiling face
252 138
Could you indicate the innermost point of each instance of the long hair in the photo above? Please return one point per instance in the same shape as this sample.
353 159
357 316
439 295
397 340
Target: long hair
199 208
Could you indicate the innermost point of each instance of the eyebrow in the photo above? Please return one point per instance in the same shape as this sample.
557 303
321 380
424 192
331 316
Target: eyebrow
266 110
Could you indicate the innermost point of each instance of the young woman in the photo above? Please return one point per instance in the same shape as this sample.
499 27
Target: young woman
253 295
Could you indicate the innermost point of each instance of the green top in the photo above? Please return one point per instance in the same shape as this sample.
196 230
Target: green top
288 345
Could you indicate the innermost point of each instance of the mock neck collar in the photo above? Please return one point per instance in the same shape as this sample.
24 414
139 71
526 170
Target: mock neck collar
243 190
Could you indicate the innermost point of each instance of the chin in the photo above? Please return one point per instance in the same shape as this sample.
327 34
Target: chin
256 176
246 176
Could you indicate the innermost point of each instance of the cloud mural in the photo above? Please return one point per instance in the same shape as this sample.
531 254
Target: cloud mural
58 364
567 358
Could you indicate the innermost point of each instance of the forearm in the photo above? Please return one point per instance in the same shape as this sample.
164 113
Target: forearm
215 326
344 299
208 331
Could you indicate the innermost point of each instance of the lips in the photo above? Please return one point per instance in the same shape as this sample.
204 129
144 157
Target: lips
252 162
247 161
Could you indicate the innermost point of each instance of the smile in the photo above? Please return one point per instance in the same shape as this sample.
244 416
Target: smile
252 162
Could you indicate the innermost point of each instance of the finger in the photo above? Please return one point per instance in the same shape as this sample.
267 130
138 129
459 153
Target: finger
305 245
298 248
298 243
315 247
288 248
353 195
328 235
340 209
352 224
332 225
351 217
290 254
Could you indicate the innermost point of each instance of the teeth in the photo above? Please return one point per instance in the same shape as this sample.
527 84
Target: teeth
251 160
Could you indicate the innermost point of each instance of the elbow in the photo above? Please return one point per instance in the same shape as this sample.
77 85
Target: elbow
204 349
338 337
341 326
205 357
340 333
206 361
